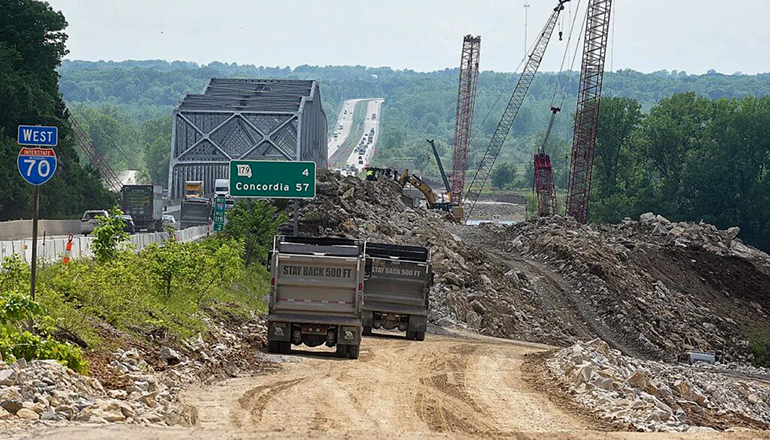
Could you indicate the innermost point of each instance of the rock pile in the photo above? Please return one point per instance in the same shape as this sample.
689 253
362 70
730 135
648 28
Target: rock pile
651 288
139 393
654 288
653 396
472 289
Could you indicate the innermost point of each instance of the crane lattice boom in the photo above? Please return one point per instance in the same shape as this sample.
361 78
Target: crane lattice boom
511 110
111 179
466 96
587 115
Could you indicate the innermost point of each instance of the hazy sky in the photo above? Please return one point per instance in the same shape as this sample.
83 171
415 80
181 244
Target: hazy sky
423 35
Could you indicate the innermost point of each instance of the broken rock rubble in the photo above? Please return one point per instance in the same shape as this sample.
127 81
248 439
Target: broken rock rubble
654 396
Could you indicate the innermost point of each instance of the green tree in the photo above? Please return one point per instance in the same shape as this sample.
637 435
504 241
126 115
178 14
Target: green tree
109 235
254 226
503 174
32 43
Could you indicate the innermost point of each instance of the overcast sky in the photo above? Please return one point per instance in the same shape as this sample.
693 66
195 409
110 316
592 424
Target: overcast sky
423 35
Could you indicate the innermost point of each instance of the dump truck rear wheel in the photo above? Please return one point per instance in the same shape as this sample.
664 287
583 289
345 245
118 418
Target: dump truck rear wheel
420 336
367 331
273 346
410 335
342 351
284 347
353 351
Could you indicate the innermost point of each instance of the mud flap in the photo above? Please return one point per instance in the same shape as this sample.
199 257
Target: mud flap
279 331
349 335
367 319
418 323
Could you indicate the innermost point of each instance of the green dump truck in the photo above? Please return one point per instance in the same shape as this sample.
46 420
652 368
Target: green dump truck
316 289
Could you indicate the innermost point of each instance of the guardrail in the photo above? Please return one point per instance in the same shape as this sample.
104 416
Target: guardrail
52 250
21 229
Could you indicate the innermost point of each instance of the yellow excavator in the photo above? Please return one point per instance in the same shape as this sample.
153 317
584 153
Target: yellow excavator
430 196
454 208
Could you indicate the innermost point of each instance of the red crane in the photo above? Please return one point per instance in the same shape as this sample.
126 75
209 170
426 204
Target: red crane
587 115
544 187
512 110
466 96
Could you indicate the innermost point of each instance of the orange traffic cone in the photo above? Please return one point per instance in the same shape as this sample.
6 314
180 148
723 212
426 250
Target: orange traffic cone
67 250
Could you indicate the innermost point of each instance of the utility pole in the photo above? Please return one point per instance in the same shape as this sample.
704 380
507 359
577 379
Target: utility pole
526 24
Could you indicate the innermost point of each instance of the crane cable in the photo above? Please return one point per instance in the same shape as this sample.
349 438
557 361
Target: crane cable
564 58
507 86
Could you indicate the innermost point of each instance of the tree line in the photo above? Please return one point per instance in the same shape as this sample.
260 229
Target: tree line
688 158
32 45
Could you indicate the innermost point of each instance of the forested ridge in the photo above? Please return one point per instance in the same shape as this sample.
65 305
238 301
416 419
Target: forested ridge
417 104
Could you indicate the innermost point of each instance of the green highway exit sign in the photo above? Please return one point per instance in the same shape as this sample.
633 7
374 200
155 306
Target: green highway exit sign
272 179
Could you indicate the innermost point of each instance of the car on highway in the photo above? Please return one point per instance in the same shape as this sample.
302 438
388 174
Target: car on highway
169 220
91 220
128 224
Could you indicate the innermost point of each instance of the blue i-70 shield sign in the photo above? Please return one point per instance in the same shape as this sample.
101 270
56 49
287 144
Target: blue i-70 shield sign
37 165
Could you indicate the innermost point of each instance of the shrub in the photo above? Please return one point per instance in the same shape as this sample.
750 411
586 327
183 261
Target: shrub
255 226
109 235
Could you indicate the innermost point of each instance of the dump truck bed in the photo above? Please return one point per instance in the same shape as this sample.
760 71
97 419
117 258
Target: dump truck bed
399 280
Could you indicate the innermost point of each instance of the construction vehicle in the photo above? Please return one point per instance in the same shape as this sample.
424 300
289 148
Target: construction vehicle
316 294
144 203
396 293
455 206
193 189
430 197
512 110
195 212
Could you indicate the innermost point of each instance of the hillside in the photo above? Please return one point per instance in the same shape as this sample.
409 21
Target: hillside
417 104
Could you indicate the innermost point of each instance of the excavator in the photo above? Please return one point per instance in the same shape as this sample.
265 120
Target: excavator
455 209
430 197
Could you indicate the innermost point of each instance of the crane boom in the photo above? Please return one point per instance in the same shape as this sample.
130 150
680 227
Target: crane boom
111 179
432 143
512 110
466 96
587 115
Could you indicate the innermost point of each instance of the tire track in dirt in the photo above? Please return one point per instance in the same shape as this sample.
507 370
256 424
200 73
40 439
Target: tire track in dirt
256 399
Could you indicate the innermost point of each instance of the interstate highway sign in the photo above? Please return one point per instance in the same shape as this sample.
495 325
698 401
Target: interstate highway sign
272 179
36 165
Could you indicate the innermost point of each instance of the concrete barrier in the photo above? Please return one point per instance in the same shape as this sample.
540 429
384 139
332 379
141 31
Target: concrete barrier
52 250
22 229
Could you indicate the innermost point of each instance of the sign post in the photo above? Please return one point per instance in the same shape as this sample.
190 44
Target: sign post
274 180
36 165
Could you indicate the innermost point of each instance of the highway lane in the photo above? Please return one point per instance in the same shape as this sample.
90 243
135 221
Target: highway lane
359 161
345 119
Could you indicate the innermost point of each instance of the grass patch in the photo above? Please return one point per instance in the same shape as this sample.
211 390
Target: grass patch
759 344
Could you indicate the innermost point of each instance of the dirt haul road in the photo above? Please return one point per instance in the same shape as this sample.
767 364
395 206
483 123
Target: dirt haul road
447 387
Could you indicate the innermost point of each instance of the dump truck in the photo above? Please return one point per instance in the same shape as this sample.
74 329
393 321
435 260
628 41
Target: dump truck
193 189
396 292
195 212
144 203
316 290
